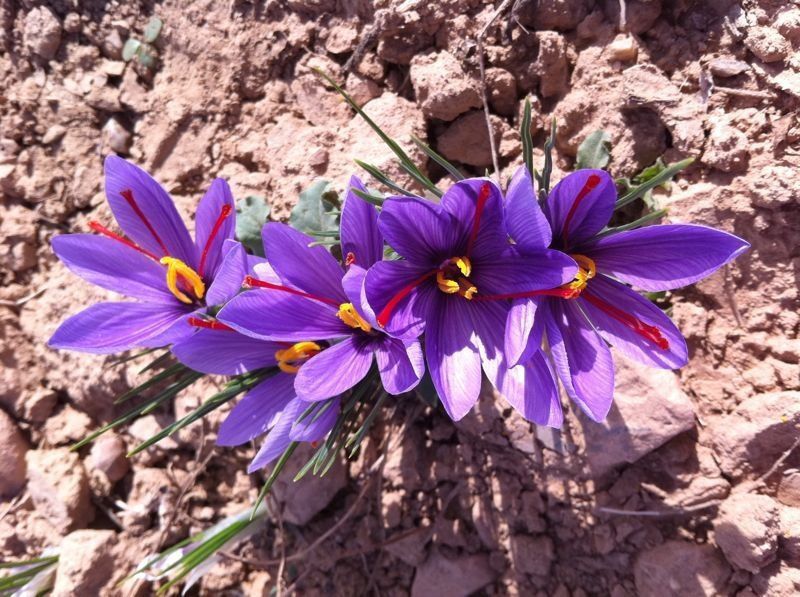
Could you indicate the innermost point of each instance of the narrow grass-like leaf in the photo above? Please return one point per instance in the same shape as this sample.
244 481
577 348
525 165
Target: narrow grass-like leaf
287 453
231 390
354 441
157 362
525 135
142 409
383 178
646 219
376 200
451 169
663 176
413 170
157 378
130 357
547 170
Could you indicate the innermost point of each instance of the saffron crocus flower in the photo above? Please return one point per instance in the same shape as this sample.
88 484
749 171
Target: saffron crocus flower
598 306
272 406
155 262
316 298
455 282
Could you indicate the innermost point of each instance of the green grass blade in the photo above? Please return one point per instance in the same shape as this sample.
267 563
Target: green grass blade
354 441
451 170
376 200
660 178
158 377
391 143
383 178
646 219
547 170
287 453
525 135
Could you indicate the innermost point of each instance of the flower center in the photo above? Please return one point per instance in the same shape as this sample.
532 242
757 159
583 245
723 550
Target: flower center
181 277
586 271
348 314
223 214
453 277
290 359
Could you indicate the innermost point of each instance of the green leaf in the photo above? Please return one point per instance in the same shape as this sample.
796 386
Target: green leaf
547 170
665 175
251 215
451 170
147 56
153 30
376 200
312 212
594 151
525 135
383 178
130 49
646 219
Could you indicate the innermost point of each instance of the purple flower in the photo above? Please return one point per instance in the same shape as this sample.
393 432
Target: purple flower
156 263
455 282
598 306
316 299
272 406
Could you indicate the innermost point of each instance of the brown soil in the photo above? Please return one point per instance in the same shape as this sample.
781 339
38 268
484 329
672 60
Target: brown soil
485 505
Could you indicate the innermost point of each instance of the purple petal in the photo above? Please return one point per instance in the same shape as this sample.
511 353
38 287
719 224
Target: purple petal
114 327
311 429
278 439
614 309
400 293
276 315
453 359
513 274
223 352
179 331
419 230
360 235
523 331
580 206
401 364
114 266
334 370
531 389
582 359
665 256
213 227
353 284
311 269
229 275
525 220
477 198
157 227
256 411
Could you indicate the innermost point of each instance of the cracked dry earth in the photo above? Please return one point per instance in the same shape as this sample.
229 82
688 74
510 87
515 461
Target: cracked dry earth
488 506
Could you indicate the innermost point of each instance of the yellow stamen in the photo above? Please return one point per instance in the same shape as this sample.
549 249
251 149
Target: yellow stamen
288 357
348 314
461 285
466 288
446 284
586 271
176 268
463 264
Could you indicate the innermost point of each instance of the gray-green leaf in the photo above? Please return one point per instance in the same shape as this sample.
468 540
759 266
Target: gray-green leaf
130 49
312 212
153 30
251 214
594 151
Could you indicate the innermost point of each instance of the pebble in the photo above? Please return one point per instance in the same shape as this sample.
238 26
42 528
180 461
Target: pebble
623 49
12 457
681 568
59 487
85 563
42 32
443 89
454 577
116 136
746 530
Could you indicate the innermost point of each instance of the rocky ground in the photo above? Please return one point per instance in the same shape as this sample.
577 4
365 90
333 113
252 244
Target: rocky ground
687 489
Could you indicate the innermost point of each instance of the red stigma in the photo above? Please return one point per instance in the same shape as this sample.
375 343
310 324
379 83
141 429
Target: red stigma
648 332
386 313
99 228
128 196
251 282
483 197
350 259
590 185
223 214
209 324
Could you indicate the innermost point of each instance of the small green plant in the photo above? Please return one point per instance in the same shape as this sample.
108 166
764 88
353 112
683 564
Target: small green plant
143 51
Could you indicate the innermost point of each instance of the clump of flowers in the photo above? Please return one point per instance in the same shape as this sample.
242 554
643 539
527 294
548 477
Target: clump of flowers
528 286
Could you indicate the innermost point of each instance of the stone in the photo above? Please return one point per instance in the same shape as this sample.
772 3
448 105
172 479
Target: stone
649 409
788 24
53 134
726 66
72 23
59 487
304 499
532 555
454 577
681 568
789 488
551 64
116 137
466 140
361 89
39 405
502 89
560 15
623 49
727 148
756 433
781 579
108 457
85 563
443 89
746 530
767 44
13 448
67 426
789 542
42 32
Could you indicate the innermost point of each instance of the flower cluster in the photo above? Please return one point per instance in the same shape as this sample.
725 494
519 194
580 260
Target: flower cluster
481 283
